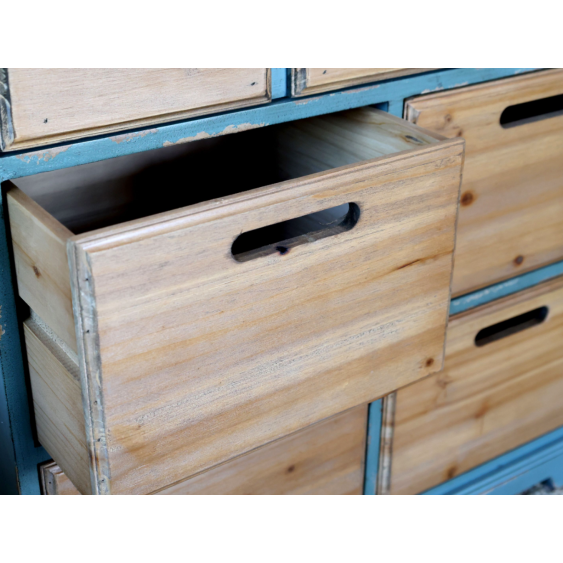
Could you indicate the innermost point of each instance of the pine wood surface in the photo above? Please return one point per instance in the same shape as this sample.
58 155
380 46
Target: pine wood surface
189 358
51 105
487 400
306 81
57 402
512 192
326 458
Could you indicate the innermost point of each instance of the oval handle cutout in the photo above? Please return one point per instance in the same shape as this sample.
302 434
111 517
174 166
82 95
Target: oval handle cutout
529 112
511 326
281 237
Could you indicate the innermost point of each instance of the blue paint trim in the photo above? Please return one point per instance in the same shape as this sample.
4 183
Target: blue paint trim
505 288
396 107
372 447
279 82
22 163
513 472
12 378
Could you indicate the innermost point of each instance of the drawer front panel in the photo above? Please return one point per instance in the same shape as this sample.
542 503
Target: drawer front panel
324 459
490 398
53 105
512 192
238 354
306 81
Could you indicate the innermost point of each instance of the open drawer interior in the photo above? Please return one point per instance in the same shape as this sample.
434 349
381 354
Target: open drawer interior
106 193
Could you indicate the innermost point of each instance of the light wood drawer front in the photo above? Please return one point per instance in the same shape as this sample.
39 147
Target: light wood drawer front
307 81
512 192
190 357
490 398
326 458
49 105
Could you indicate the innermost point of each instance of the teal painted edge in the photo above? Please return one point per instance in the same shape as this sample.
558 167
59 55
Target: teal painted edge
513 472
505 288
279 82
372 447
13 382
26 163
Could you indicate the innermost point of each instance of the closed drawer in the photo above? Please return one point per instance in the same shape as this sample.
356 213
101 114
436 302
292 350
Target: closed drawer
42 106
501 387
196 344
306 81
512 192
324 459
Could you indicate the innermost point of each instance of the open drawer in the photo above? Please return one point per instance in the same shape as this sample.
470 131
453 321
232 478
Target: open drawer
292 273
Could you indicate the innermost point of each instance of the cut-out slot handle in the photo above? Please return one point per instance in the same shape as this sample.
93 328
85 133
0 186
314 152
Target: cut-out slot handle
511 326
528 112
281 237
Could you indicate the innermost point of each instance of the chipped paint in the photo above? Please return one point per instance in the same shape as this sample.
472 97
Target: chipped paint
437 89
128 137
36 157
204 135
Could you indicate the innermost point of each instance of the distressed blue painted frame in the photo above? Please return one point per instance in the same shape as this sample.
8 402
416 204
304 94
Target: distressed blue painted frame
20 455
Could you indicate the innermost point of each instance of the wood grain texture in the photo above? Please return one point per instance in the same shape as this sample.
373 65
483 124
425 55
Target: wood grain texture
39 244
51 105
239 354
54 481
189 358
326 458
488 399
512 193
306 81
57 401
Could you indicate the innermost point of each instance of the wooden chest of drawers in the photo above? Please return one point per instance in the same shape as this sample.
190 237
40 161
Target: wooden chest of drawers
194 335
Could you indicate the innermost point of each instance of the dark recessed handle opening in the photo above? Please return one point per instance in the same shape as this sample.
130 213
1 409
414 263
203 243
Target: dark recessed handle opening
280 238
511 326
528 112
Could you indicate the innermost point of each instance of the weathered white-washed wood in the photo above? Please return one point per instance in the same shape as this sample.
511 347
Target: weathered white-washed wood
50 105
54 481
512 193
306 81
189 358
488 399
326 458
57 401
39 243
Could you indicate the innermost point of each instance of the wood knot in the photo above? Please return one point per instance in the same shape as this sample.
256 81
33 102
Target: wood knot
36 271
291 469
518 260
467 198
413 139
429 362
448 117
450 474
